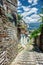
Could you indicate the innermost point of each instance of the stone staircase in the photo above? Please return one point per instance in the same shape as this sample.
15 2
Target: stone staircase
2 58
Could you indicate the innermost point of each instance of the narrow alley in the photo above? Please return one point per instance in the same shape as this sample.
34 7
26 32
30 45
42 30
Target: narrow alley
21 32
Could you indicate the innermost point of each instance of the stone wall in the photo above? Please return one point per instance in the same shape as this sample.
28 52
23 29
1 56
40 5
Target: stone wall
8 42
39 42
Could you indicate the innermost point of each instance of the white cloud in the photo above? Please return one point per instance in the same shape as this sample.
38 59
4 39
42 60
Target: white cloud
19 7
19 11
35 16
25 8
19 4
33 2
30 1
30 20
33 10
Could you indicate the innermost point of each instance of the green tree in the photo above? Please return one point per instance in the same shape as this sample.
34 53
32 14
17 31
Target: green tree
19 18
35 33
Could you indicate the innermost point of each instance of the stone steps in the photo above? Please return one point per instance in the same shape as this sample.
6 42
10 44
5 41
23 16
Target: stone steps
3 58
27 57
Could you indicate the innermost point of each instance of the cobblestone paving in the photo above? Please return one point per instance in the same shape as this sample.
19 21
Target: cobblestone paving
26 57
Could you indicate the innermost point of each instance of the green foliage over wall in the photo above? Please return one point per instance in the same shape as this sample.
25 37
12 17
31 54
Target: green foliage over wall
35 33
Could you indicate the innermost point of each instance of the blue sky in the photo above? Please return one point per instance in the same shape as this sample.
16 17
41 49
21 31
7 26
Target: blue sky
30 9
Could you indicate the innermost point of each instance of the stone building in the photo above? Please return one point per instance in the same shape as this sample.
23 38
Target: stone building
8 35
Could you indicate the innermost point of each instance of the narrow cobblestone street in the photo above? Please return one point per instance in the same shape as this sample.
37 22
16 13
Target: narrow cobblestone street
29 57
21 32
